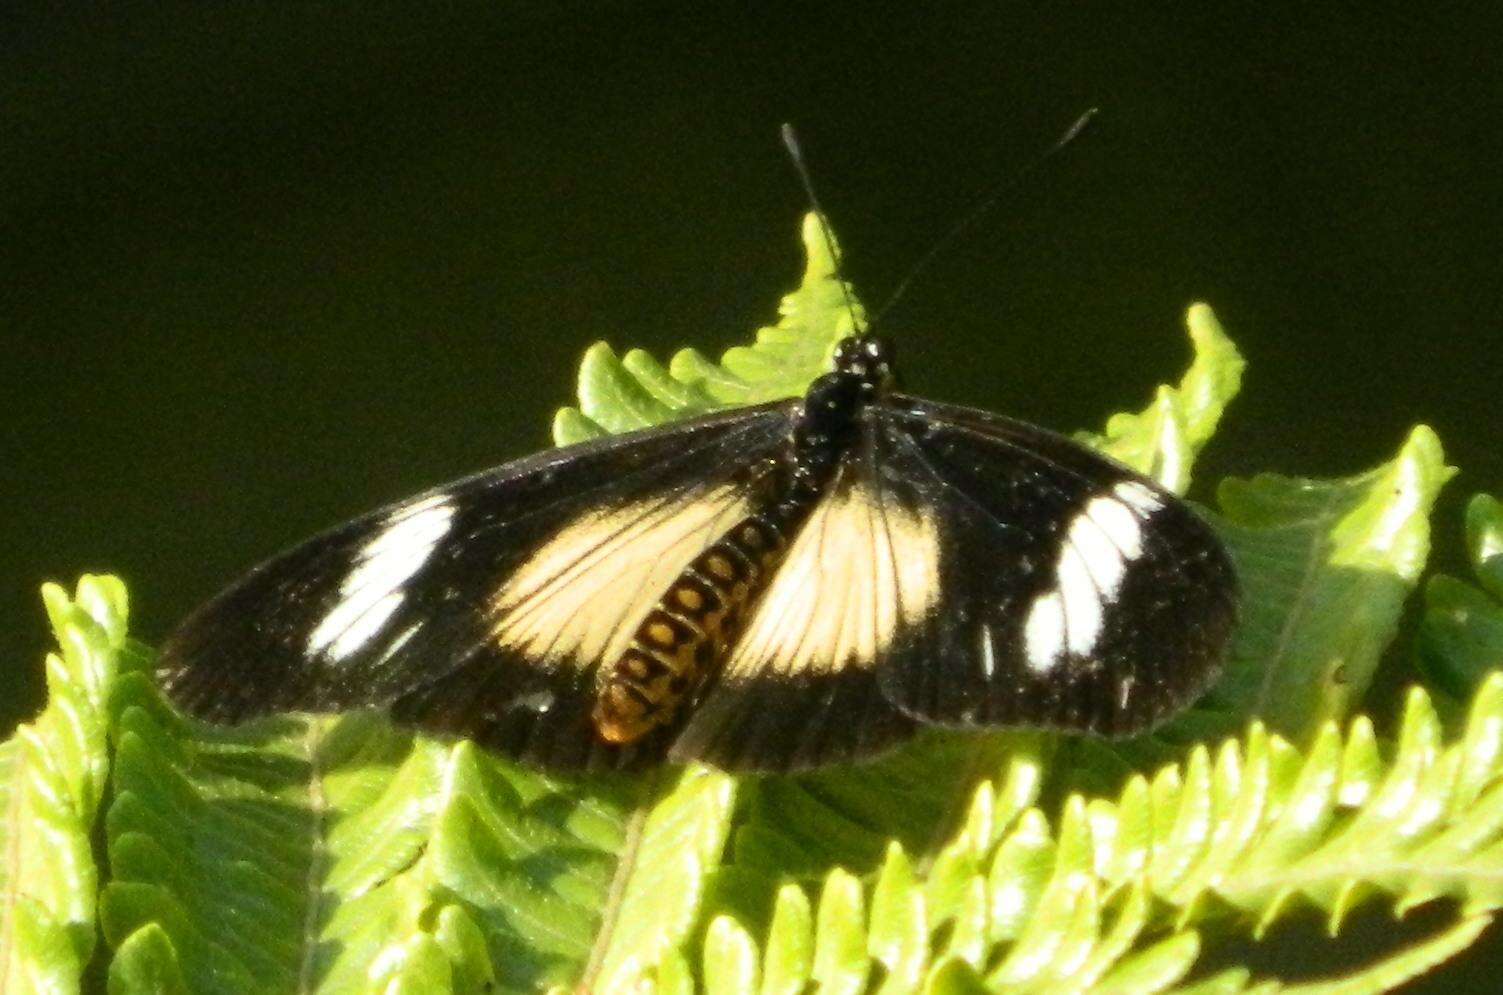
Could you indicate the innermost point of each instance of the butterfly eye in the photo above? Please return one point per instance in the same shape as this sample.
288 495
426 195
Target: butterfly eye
847 354
876 349
869 358
878 353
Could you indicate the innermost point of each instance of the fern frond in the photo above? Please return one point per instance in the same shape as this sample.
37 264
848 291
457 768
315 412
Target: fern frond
804 825
1111 897
331 854
52 778
343 855
1164 438
1461 636
356 854
635 391
1325 567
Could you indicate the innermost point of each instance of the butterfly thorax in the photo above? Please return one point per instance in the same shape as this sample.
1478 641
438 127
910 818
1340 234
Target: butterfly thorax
689 631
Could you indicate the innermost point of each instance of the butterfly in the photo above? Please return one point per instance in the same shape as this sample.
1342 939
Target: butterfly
769 588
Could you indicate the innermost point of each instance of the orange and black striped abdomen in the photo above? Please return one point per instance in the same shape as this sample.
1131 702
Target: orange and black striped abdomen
688 631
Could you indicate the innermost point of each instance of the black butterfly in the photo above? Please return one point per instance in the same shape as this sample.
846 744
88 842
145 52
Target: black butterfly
769 588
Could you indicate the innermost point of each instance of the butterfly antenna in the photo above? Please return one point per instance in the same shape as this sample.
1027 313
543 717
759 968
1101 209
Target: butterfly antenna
983 206
796 153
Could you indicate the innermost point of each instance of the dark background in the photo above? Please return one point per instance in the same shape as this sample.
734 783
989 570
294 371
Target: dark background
265 267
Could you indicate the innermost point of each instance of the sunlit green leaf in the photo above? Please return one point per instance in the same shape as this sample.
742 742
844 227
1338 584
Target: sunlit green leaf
1164 438
1325 567
338 854
1461 637
52 778
1244 832
790 944
146 962
616 395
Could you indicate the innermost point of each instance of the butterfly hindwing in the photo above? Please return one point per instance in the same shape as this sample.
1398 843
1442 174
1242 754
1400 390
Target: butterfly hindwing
485 608
1077 595
799 687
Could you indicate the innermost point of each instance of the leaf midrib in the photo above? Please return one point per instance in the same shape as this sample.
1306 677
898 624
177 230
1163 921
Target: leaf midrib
317 859
1321 870
625 867
1300 600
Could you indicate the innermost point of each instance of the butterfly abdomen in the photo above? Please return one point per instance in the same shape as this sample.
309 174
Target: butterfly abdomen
689 630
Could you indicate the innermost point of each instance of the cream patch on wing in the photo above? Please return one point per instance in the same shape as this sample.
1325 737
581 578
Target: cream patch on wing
372 591
585 589
855 574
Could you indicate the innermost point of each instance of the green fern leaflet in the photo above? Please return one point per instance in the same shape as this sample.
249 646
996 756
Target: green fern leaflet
337 854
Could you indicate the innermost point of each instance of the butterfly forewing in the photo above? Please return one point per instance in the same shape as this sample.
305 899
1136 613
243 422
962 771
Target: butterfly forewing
1078 595
485 608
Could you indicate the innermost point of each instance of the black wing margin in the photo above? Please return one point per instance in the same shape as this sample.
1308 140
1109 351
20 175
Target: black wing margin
483 608
1073 593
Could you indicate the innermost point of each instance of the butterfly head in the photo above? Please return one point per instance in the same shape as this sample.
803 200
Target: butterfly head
869 357
863 372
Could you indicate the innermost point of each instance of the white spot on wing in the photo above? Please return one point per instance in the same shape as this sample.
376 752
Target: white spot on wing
1083 607
1118 524
536 701
353 623
988 651
1103 558
371 592
394 644
1103 538
1140 496
1044 632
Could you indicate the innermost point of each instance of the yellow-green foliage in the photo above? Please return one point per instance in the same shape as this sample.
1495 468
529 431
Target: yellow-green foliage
52 777
339 854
